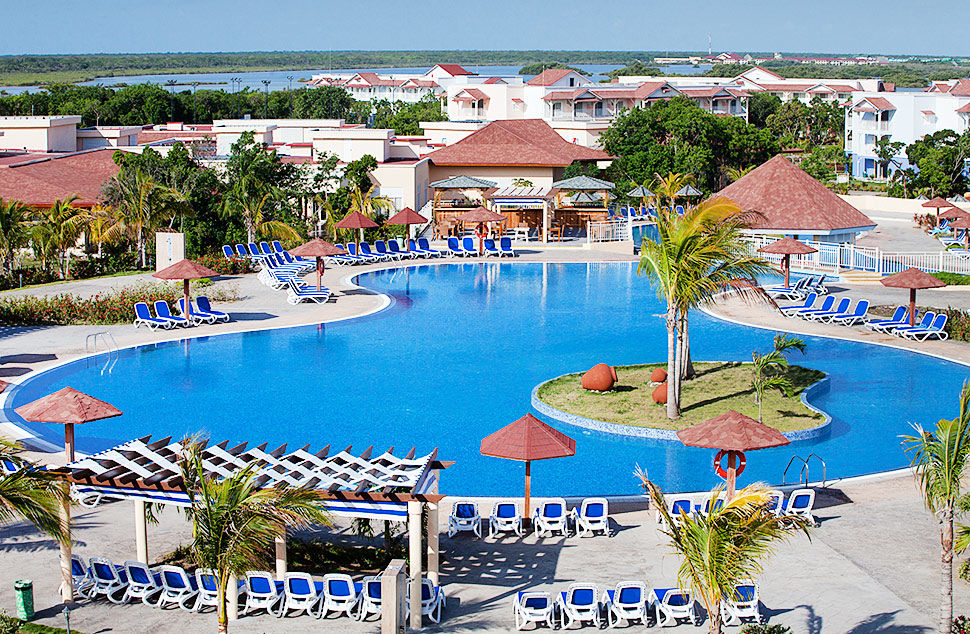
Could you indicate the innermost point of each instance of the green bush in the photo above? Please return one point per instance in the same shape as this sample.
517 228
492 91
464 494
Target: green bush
953 279
26 277
961 625
222 266
754 628
957 323
13 625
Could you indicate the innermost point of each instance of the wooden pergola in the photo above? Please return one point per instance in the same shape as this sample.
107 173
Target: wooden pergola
383 487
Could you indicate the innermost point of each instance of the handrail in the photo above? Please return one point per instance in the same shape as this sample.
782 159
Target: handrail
111 347
804 471
784 475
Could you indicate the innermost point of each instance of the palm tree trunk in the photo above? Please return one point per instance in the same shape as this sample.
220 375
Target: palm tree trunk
141 247
673 375
687 370
946 569
714 619
222 588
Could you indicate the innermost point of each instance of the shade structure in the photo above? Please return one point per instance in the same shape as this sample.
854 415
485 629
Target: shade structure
732 433
185 270
528 439
963 222
640 192
583 197
953 213
937 203
480 214
688 190
357 220
407 216
913 279
318 249
787 247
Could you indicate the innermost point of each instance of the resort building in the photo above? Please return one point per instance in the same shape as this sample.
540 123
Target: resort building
368 86
60 133
786 201
905 117
40 179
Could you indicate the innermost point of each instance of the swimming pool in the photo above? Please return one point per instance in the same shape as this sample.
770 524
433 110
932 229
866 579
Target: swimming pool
456 356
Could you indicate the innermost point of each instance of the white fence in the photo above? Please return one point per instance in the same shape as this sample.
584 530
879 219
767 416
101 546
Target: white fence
609 231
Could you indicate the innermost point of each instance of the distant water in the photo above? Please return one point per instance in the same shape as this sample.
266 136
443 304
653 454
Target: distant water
279 80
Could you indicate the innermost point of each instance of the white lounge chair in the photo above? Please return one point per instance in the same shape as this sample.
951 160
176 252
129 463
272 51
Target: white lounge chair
208 585
672 605
370 598
143 583
433 600
627 601
800 503
464 517
505 517
107 579
742 604
550 517
340 594
776 502
178 588
262 592
300 593
593 515
80 577
579 604
533 607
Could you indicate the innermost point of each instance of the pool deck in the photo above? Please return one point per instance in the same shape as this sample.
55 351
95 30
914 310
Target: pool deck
871 567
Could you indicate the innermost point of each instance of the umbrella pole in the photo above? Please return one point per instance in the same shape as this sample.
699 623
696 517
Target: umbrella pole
188 304
526 517
787 266
732 473
912 307
319 263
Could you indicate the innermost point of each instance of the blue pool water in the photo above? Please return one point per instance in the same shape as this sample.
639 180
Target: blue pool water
456 356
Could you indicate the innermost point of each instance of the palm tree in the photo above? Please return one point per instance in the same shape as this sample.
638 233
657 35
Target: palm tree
14 230
252 202
98 222
58 231
725 547
737 173
769 369
369 204
695 257
31 494
142 206
235 521
940 459
666 188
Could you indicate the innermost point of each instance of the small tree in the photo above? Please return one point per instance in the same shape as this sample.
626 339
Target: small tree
30 493
886 152
14 230
253 203
770 369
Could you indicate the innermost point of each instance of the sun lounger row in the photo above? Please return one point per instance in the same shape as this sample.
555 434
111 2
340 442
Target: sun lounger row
628 601
467 248
832 310
800 289
800 503
282 271
298 591
549 518
930 326
363 253
200 313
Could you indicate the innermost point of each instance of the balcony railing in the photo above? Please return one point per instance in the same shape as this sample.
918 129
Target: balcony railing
873 126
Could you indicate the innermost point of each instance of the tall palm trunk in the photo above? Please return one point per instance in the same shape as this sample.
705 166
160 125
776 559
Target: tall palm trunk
714 620
223 586
946 569
673 374
687 365
141 246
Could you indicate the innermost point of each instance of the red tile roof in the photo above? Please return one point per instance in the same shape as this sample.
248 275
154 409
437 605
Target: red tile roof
549 76
962 89
515 142
788 199
528 439
495 80
454 69
470 94
40 182
880 103
964 108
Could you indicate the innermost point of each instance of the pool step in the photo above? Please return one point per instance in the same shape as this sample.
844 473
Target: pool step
861 276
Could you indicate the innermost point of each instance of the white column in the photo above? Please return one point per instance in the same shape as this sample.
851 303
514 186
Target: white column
232 599
67 584
280 545
414 562
141 532
545 222
434 551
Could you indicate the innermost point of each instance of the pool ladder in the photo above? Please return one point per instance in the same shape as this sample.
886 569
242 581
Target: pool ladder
110 346
803 474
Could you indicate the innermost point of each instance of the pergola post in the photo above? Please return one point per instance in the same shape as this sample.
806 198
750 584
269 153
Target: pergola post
67 583
279 543
414 562
232 598
141 531
545 222
434 552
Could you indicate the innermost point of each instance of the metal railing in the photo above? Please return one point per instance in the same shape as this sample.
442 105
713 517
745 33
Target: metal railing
609 231
110 347
803 473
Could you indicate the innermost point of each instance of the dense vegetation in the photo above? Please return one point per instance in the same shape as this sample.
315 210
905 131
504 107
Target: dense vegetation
538 67
636 68
912 74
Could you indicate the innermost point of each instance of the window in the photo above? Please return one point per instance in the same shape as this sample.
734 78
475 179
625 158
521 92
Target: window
572 81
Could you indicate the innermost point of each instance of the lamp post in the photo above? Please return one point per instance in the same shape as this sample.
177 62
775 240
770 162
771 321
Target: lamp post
171 98
235 101
266 83
195 112
289 89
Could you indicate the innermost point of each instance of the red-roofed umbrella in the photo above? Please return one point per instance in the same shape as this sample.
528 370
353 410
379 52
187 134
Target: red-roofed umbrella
787 247
963 222
407 216
357 220
733 433
528 439
912 278
318 249
185 270
480 214
938 203
953 213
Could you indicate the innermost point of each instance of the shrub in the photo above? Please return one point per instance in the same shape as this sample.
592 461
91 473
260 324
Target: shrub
26 277
953 279
957 323
222 266
961 625
754 628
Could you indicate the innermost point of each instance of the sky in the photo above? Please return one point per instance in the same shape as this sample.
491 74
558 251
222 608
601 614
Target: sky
824 26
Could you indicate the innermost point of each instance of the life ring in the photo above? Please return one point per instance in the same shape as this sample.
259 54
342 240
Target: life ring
719 470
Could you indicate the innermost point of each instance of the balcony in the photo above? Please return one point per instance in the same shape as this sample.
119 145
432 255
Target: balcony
873 126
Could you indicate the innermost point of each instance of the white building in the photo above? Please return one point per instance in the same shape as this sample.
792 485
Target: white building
905 117
39 134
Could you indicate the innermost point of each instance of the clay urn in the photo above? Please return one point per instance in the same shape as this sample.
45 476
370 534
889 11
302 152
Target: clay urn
660 393
599 378
659 375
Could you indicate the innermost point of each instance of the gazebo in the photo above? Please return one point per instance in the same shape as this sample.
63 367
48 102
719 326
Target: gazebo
733 434
913 279
454 195
787 247
587 200
382 487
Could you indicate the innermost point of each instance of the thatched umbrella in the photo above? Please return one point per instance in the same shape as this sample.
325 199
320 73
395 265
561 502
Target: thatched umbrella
688 191
480 214
407 216
318 249
185 270
732 433
963 222
528 439
937 203
953 213
357 220
912 278
787 247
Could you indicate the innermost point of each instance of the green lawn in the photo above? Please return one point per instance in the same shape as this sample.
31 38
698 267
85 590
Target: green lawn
718 387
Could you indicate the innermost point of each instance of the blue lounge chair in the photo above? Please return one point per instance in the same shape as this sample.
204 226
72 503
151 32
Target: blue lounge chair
396 250
535 608
420 253
505 518
935 330
163 312
197 316
365 250
425 246
288 260
433 600
578 604
227 252
898 319
858 316
789 311
792 292
202 303
801 503
805 313
179 588
301 593
593 515
838 309
468 244
207 582
340 594
305 293
628 601
924 323
381 249
241 252
370 598
144 316
505 247
143 584
277 247
741 604
353 253
464 517
943 227
454 247
107 579
254 251
489 248
550 517
672 605
262 592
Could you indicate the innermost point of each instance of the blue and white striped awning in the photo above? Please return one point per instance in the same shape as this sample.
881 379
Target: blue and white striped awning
351 485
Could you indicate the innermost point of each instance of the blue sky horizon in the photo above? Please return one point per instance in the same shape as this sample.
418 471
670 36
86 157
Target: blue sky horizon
172 26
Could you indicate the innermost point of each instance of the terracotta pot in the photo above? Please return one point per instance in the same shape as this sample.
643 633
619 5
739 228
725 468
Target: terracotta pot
659 375
660 393
599 378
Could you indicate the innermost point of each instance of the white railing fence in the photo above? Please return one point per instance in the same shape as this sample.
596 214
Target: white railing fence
609 231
